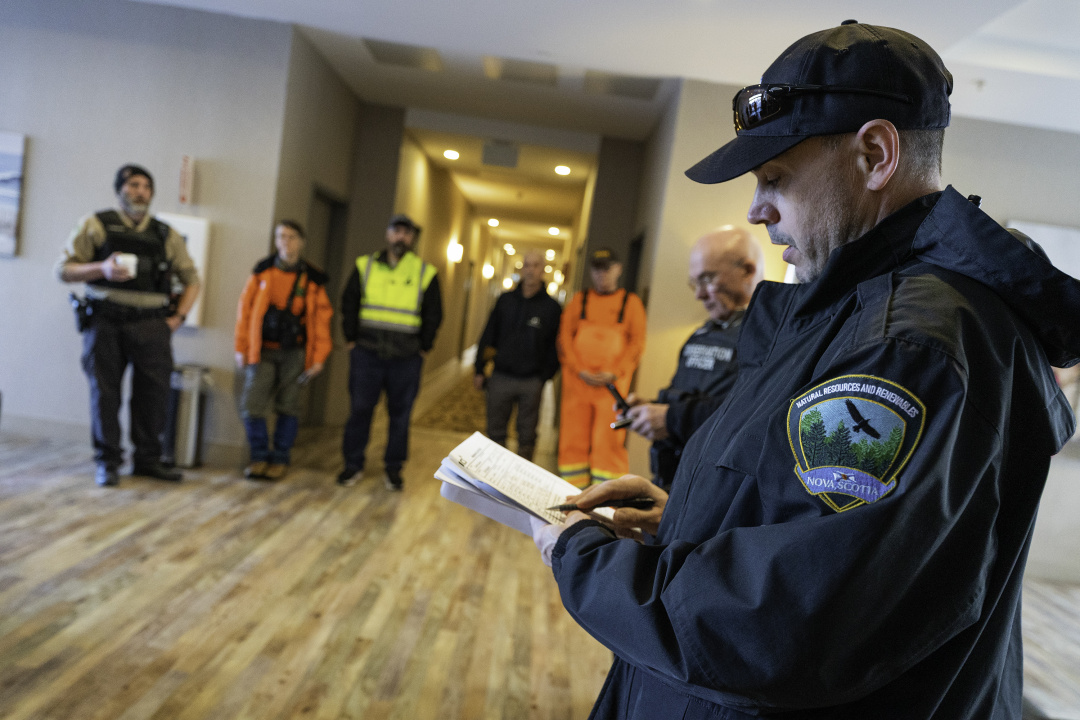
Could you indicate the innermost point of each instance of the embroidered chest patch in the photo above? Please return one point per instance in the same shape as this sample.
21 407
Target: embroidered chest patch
851 436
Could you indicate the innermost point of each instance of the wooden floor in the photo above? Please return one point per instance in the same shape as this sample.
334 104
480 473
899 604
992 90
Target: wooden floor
227 598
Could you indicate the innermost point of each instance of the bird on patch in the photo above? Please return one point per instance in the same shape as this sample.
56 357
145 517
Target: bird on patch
861 423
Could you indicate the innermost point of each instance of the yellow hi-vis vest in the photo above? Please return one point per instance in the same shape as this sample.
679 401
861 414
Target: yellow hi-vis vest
392 296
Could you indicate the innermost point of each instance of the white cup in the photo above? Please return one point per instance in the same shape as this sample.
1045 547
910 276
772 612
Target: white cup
130 262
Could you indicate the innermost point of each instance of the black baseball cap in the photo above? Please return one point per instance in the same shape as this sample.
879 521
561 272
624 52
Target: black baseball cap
126 172
603 258
832 82
404 221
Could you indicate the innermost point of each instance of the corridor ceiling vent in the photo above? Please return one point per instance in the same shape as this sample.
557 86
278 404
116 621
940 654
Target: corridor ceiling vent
501 153
406 56
520 71
627 86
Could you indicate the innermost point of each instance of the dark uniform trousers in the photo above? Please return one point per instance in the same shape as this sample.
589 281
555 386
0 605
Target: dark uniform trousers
369 375
503 392
108 347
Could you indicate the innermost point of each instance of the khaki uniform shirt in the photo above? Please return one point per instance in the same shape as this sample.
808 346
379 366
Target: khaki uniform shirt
90 235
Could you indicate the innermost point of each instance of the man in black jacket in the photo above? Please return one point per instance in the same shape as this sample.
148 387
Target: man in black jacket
725 266
846 536
522 331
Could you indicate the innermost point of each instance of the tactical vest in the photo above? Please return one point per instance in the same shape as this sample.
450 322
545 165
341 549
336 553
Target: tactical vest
154 272
393 296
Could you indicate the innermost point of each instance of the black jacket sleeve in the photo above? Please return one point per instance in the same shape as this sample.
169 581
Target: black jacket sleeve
430 314
350 306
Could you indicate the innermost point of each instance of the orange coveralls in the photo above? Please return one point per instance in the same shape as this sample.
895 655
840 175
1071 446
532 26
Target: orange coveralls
589 450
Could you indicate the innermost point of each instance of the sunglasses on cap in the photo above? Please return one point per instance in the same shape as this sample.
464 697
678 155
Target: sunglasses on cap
757 104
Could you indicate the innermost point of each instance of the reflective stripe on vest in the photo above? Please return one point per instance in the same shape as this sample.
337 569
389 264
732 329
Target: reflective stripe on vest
393 296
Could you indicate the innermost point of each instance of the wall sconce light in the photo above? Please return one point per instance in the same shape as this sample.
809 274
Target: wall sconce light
454 251
489 271
508 283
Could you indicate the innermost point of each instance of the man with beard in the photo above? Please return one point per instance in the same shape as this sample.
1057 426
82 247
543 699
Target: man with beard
390 311
129 261
846 536
726 265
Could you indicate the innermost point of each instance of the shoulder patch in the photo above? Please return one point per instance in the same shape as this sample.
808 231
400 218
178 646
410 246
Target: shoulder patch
851 436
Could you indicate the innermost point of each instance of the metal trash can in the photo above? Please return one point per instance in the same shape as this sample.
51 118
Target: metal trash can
182 442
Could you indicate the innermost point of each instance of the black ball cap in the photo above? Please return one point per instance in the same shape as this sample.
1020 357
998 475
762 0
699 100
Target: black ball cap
852 55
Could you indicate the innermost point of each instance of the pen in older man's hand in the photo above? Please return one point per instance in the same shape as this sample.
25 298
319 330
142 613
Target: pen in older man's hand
638 503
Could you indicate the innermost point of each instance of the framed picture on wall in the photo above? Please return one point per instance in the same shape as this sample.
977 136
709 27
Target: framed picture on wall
12 150
196 234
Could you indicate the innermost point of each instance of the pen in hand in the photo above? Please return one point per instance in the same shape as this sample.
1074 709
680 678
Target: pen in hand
638 503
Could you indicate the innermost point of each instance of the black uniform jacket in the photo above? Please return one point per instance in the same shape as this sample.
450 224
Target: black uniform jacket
706 372
847 534
523 332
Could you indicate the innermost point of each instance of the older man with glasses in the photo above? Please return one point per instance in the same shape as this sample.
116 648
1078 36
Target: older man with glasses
725 266
846 536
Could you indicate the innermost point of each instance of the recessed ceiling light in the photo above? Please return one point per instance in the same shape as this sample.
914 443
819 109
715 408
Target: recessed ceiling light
547 268
451 154
562 170
493 222
549 255
553 230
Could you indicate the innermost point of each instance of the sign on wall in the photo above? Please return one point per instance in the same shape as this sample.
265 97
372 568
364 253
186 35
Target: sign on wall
12 150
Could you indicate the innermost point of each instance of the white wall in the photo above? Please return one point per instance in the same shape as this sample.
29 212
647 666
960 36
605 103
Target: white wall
95 85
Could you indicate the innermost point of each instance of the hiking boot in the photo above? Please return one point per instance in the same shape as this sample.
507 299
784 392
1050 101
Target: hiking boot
158 472
256 470
275 471
393 480
349 476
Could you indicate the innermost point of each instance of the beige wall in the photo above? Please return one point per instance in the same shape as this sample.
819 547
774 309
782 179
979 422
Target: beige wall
426 193
94 86
318 133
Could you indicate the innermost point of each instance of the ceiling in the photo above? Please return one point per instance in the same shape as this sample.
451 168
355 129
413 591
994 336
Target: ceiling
607 67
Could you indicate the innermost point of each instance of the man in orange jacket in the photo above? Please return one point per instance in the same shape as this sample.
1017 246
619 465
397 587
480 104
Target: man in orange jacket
282 341
601 338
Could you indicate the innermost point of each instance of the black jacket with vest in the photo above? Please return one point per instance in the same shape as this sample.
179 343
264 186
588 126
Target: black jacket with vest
388 343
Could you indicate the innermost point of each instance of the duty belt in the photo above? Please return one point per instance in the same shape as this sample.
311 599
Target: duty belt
117 313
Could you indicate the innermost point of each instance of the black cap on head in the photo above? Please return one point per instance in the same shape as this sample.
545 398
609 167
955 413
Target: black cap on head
403 221
865 57
603 258
125 173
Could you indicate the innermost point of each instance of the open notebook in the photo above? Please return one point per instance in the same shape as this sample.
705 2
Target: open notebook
486 477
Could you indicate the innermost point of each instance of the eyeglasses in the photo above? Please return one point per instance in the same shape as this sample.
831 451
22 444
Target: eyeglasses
757 104
704 281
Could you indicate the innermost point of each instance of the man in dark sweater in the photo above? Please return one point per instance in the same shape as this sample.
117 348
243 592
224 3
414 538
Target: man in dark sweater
521 330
